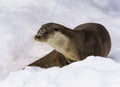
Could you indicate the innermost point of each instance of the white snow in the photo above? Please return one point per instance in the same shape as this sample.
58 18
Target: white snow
19 22
92 72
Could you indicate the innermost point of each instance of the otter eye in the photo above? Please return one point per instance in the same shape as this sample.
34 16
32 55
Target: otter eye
56 29
45 32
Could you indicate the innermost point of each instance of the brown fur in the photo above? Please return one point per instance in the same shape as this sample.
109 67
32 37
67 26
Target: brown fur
85 40
52 59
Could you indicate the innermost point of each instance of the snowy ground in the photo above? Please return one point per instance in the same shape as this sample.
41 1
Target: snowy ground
19 22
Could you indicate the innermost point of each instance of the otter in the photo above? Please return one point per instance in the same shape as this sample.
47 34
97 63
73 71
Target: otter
72 45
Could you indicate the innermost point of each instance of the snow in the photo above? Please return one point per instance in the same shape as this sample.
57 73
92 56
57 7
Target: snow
92 72
19 22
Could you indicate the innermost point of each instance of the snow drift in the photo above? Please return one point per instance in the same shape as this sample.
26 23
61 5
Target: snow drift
19 22
92 72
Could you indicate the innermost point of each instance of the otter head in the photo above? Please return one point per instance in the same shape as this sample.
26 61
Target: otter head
47 31
58 37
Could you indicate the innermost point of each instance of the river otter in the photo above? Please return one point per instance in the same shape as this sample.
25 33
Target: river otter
73 45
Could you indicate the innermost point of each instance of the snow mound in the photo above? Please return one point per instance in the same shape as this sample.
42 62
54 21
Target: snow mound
91 72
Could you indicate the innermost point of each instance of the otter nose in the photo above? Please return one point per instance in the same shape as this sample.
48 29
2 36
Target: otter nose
37 36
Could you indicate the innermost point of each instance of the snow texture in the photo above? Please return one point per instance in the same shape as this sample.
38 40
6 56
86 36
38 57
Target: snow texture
19 22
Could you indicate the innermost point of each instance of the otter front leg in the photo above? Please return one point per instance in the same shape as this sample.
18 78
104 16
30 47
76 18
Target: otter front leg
52 59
